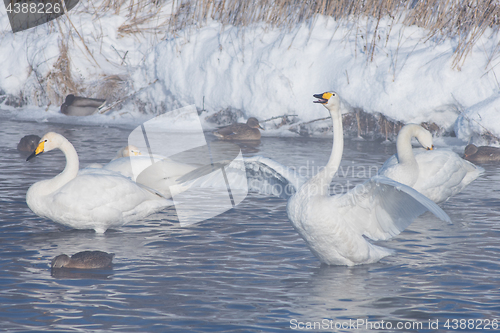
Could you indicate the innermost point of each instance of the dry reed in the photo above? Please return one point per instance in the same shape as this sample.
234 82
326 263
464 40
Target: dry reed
465 20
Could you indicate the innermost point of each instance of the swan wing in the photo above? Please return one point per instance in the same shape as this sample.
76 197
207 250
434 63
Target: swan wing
442 173
263 175
382 208
101 195
269 177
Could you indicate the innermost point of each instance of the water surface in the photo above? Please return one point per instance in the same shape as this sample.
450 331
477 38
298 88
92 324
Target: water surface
244 270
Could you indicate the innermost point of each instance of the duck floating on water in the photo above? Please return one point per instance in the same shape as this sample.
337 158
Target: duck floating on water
28 143
240 132
84 260
482 154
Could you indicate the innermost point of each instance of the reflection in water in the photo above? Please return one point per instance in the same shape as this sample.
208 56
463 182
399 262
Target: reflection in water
243 270
72 273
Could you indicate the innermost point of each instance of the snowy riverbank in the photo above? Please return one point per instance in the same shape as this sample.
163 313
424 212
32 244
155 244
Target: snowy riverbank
256 71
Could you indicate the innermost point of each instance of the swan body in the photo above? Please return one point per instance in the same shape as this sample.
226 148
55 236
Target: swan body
437 174
126 151
248 131
483 154
156 172
335 228
90 198
83 260
81 106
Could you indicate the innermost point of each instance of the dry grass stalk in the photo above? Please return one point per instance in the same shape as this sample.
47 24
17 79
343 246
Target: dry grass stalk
466 20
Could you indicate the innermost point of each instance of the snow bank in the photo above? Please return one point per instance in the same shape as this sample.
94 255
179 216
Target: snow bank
263 72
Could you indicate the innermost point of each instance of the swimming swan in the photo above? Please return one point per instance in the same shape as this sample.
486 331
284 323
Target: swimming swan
83 260
126 151
159 175
334 227
248 131
90 198
437 174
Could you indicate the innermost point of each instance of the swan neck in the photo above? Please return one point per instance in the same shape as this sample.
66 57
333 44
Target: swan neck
404 147
326 175
70 170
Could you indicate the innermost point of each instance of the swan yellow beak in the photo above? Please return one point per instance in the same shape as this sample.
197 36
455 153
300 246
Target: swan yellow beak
322 98
430 148
38 150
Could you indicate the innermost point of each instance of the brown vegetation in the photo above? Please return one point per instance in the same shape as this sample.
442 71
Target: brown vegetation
465 20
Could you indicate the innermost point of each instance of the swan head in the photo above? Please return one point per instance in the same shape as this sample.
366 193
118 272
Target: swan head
130 150
48 142
329 99
409 131
424 137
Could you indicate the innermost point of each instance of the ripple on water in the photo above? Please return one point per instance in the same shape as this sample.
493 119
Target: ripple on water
243 270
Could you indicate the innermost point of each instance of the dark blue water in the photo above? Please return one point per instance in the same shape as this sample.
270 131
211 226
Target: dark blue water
246 269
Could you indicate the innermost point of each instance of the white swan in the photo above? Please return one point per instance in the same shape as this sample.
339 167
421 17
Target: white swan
155 171
437 174
126 151
158 172
90 199
335 227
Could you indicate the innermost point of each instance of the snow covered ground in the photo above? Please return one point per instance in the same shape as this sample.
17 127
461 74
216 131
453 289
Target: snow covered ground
261 71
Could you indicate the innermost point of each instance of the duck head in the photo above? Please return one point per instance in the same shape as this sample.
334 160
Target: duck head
254 123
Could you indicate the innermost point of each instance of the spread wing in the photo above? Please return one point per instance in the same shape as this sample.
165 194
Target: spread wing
382 208
263 175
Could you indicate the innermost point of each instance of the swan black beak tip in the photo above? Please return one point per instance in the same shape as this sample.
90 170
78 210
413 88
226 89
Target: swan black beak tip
320 99
33 154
